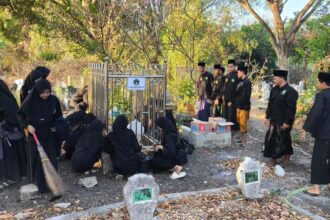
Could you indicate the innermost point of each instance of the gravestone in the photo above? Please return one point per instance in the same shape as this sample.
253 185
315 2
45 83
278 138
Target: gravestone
141 196
265 92
249 178
301 86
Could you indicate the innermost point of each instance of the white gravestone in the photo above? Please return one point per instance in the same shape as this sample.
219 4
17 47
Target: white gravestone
249 178
141 195
265 92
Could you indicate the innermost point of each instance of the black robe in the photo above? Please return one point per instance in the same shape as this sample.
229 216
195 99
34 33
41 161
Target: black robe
89 147
41 114
166 159
123 147
12 146
219 82
78 120
281 109
318 124
231 82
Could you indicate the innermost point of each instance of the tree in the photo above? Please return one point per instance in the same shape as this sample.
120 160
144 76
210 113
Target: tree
280 40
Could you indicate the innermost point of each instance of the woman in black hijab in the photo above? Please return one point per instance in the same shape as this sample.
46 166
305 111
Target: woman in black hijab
12 154
89 147
78 120
123 147
37 73
165 157
38 114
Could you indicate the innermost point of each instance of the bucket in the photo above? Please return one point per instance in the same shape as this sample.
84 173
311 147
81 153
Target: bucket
145 162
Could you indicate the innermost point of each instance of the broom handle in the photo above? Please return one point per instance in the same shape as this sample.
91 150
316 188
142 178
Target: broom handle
36 139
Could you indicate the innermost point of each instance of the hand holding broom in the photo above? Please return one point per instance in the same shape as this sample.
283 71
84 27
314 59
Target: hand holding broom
53 180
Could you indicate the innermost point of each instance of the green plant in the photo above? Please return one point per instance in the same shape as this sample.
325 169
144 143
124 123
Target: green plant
187 93
305 101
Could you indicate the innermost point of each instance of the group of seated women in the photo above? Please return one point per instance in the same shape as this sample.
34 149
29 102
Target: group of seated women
124 149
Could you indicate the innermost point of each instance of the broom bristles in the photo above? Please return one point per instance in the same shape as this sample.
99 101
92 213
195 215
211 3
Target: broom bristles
54 181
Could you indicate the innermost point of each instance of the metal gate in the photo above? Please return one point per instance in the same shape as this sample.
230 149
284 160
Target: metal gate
137 91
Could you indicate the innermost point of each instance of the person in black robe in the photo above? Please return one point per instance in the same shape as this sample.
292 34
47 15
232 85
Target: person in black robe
229 94
89 148
165 157
318 124
204 91
217 91
123 147
280 115
12 154
38 114
78 121
37 73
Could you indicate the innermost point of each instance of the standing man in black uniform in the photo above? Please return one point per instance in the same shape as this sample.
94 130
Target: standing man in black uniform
217 92
204 90
280 117
230 94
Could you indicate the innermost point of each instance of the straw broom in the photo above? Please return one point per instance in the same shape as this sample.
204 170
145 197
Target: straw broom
53 180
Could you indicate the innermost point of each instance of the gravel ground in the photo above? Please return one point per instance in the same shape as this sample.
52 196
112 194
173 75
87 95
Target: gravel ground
205 170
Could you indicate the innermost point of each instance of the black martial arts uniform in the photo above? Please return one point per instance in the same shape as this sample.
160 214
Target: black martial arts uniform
281 109
217 92
123 147
166 159
318 124
37 73
89 147
231 82
42 115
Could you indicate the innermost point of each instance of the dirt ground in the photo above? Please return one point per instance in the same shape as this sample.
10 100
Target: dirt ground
207 168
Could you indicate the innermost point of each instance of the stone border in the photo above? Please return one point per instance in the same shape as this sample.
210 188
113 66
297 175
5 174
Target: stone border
107 208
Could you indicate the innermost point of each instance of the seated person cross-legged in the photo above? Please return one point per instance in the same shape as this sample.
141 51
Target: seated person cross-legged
165 157
123 147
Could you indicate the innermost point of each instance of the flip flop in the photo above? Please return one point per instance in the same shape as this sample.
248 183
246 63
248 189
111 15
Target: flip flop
175 175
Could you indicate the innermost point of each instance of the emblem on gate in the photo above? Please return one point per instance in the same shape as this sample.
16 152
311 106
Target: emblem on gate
136 82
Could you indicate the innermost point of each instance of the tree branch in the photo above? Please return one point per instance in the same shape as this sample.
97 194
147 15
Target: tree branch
301 17
245 4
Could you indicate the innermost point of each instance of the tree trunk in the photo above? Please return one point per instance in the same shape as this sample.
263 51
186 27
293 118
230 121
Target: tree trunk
283 61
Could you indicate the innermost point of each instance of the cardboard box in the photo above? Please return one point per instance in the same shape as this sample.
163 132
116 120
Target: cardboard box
224 127
201 126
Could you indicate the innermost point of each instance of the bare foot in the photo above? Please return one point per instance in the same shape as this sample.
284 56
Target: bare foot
178 169
314 191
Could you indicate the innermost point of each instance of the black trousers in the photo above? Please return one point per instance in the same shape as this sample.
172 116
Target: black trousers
321 162
230 114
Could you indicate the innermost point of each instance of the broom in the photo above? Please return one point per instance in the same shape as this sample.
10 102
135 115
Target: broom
53 180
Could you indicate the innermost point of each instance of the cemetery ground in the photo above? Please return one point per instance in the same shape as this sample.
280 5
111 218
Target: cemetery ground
208 168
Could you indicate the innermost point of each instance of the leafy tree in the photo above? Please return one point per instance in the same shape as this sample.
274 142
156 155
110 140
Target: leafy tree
281 40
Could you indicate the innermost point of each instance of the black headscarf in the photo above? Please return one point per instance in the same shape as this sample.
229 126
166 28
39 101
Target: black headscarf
7 99
34 107
37 73
8 106
166 125
120 124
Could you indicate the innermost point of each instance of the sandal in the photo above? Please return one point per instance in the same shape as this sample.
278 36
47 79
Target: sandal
175 175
